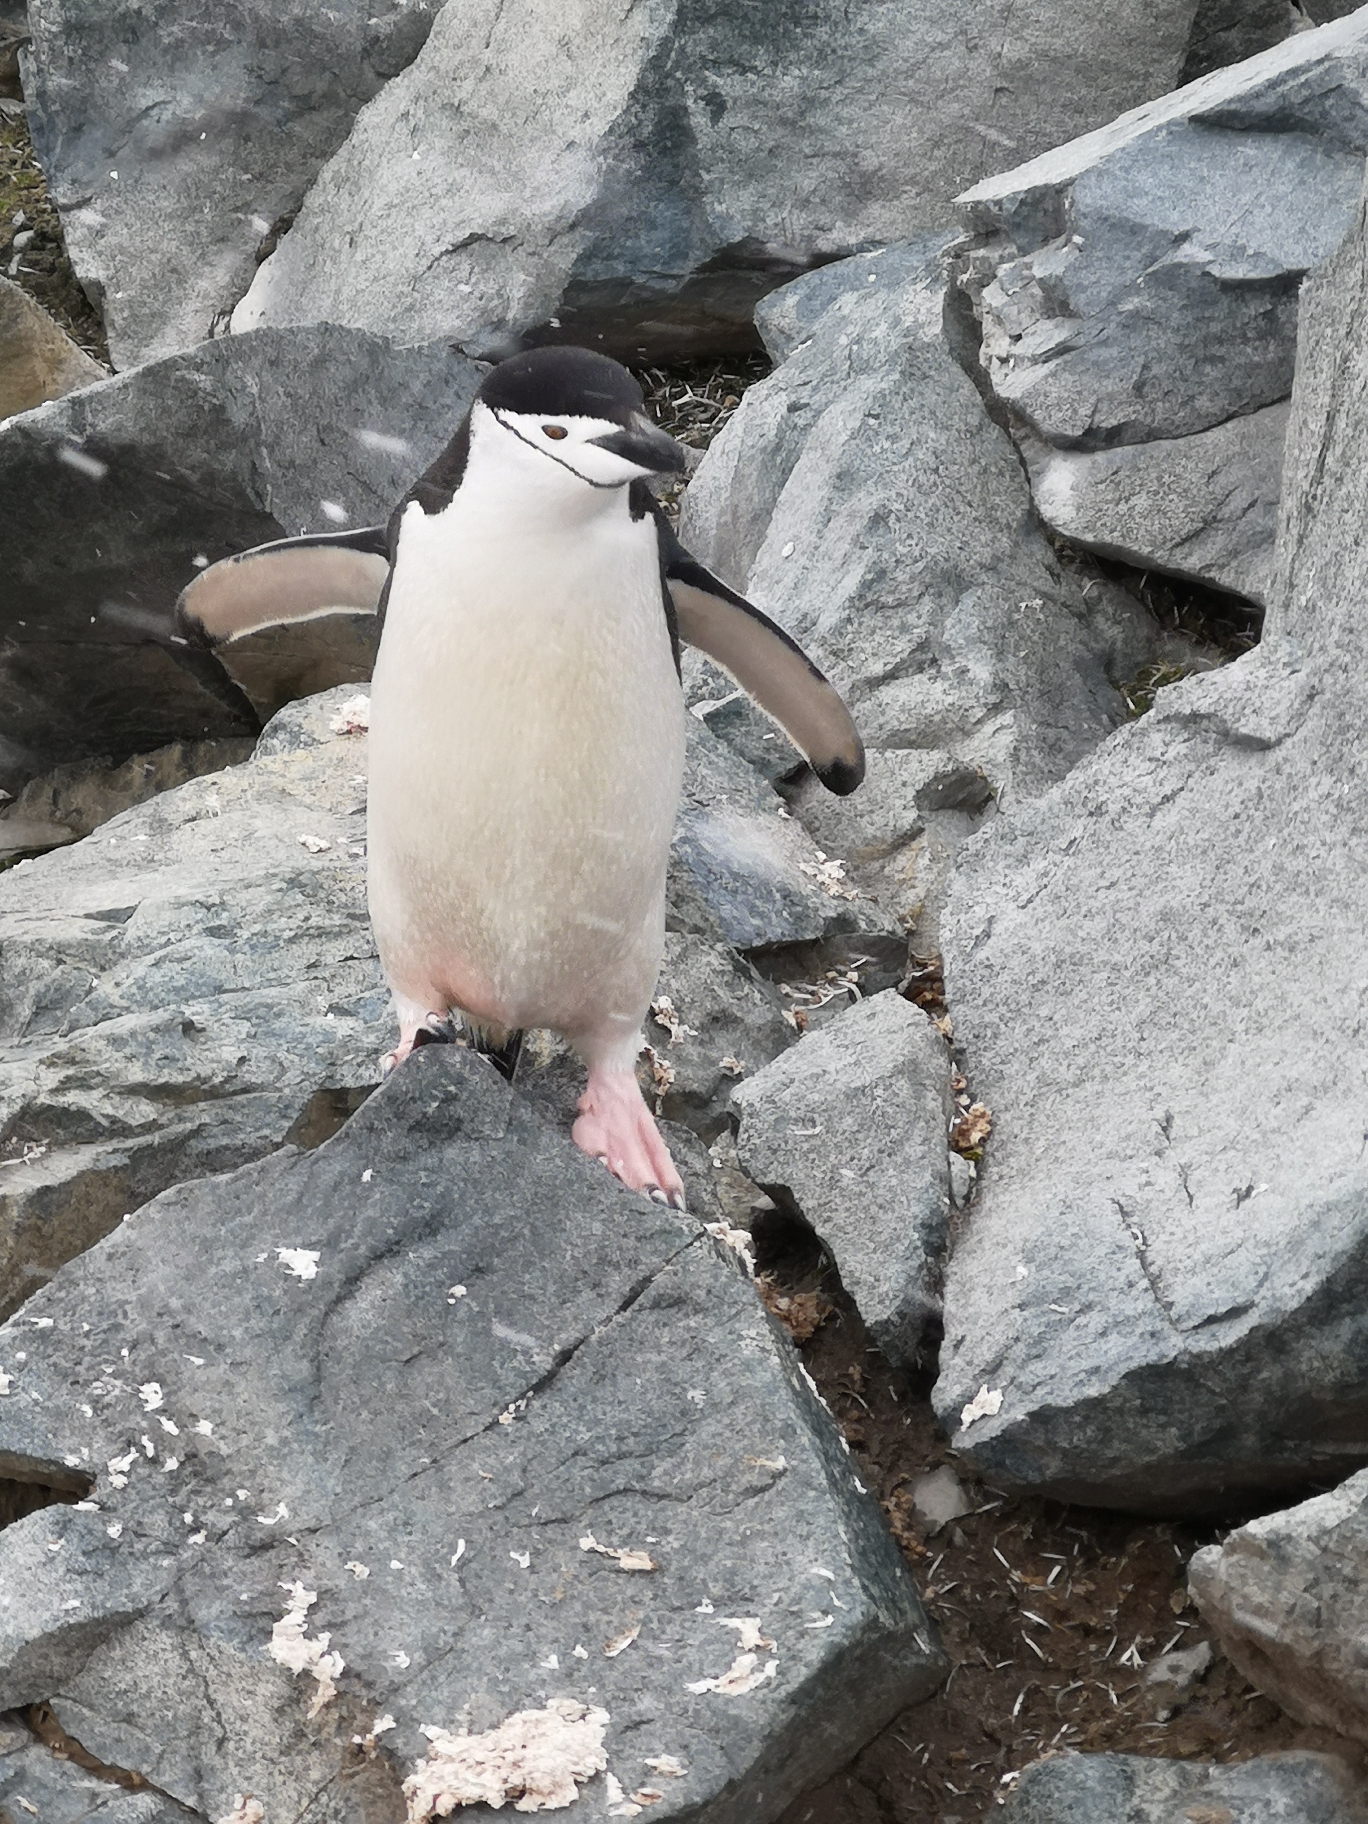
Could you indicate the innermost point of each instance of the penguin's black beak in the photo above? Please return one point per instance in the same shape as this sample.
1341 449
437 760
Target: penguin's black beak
646 445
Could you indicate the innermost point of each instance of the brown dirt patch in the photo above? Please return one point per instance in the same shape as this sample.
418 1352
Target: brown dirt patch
1048 1613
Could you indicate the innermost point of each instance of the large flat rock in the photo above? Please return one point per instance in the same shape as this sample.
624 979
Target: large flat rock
1156 976
641 177
1204 507
184 989
175 137
115 494
1287 1598
428 1382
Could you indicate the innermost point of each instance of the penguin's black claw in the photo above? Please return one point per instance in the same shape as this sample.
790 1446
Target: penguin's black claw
654 1192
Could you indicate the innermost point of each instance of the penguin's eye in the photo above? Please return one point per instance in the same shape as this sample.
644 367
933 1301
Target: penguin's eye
556 431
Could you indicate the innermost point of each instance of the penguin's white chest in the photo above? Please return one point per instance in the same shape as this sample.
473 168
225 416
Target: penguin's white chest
526 752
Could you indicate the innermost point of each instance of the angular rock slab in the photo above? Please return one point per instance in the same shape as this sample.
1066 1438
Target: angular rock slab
34 1782
742 871
1156 975
1142 281
38 360
1203 507
1287 1598
173 140
862 496
639 180
1139 1789
74 800
183 990
115 494
848 1129
498 1345
723 1022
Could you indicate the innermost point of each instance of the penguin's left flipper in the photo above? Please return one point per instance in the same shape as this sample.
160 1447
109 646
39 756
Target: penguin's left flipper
291 580
769 666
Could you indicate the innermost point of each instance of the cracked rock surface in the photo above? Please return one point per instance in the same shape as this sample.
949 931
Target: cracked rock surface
183 989
115 495
176 137
36 1783
639 180
1287 1597
1137 294
1164 1271
423 1374
1135 1789
848 1129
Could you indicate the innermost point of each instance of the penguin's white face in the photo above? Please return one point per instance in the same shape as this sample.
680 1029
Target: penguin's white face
549 449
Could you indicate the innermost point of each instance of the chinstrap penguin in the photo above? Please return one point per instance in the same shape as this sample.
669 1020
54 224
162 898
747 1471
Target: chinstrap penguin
527 723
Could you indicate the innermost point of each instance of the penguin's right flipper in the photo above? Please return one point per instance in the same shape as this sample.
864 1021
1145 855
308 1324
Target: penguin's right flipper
291 618
769 665
290 580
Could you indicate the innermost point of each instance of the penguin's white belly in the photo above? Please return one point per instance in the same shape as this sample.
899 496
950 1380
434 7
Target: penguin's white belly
526 752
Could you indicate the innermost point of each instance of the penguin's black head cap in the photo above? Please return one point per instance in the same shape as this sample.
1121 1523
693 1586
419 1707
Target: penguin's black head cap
533 392
563 382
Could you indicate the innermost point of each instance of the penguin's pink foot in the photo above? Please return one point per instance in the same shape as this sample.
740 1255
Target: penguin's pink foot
615 1126
431 1029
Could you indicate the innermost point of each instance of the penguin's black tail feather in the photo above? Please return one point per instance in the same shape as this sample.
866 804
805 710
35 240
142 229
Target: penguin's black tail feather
504 1057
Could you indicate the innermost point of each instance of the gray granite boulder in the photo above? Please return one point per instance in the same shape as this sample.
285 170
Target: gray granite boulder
714 1022
176 137
442 1427
641 179
1204 507
1141 1789
848 1131
863 497
1287 1598
1137 294
1156 978
1144 277
115 494
183 991
743 871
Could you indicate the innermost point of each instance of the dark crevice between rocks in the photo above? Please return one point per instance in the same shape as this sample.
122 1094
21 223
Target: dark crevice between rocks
323 1115
1106 1584
40 1722
42 268
880 962
963 335
26 1487
692 401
